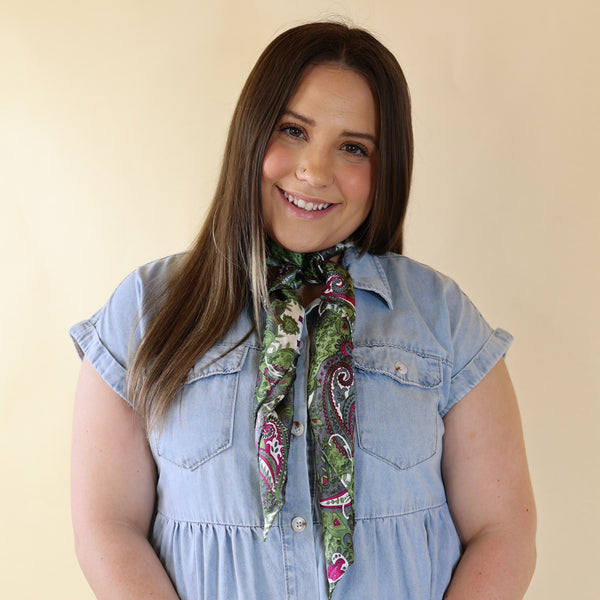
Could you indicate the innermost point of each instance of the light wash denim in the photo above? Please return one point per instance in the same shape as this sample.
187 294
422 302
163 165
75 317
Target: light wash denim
420 346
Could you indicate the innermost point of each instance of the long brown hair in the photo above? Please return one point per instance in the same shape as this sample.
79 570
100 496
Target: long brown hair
225 269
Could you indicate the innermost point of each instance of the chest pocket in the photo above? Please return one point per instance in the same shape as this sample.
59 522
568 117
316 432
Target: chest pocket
200 425
397 395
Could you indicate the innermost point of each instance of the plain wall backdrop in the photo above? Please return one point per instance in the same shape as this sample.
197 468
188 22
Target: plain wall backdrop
113 117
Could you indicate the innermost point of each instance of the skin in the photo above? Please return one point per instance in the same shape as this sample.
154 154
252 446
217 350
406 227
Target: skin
311 156
489 492
113 488
323 151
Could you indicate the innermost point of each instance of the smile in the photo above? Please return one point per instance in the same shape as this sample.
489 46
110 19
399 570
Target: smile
309 206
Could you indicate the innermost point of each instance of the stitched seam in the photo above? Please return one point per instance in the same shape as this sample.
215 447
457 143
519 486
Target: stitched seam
368 344
204 373
284 557
213 523
193 466
438 375
412 382
403 514
396 465
275 525
476 355
385 282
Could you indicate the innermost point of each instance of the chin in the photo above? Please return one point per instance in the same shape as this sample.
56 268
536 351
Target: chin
303 247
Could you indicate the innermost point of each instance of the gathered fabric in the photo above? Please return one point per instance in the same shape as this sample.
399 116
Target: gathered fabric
420 345
330 393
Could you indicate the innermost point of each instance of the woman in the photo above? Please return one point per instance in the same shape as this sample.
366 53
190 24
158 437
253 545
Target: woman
314 415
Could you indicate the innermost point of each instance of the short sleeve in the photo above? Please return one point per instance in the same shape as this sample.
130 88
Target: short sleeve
108 338
476 346
105 338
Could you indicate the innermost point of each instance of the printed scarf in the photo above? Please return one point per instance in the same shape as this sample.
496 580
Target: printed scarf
330 394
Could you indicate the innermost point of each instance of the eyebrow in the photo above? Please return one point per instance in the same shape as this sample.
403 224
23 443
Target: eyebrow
312 123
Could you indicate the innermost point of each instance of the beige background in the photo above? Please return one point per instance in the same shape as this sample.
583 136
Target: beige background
113 116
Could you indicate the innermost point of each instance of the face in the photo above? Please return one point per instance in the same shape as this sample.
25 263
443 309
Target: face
319 169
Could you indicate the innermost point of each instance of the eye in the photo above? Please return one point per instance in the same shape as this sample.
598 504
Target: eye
355 149
292 130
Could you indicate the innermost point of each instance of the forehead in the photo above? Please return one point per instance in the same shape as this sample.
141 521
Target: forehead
337 93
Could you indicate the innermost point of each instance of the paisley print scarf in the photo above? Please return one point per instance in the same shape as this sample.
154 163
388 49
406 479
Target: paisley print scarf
330 394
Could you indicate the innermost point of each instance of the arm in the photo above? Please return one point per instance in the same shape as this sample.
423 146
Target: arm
113 483
489 492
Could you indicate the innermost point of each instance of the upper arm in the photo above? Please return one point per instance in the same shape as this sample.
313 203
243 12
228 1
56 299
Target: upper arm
113 476
484 463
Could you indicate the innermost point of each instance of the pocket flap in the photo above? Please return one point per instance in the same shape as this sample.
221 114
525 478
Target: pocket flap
402 365
219 360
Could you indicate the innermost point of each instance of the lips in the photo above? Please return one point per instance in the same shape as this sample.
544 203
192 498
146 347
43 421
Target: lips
305 205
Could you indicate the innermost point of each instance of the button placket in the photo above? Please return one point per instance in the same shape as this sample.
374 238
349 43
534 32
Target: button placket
297 532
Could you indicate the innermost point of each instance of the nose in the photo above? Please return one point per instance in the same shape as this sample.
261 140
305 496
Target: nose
315 168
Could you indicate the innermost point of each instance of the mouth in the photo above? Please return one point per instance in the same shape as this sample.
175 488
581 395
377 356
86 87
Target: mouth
305 205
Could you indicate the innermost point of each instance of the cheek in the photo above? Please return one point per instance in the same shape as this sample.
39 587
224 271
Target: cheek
359 186
277 162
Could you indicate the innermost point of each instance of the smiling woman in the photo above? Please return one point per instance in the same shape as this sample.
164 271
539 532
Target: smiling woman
293 409
320 166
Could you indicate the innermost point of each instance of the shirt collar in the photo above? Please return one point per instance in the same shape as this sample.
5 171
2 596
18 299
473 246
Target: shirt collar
367 274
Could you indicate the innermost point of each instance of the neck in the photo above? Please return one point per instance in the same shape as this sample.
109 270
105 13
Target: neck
310 291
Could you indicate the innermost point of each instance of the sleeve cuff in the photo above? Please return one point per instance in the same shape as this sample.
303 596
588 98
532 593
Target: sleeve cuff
494 348
88 343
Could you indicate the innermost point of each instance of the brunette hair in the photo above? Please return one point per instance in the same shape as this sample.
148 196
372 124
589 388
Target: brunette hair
225 269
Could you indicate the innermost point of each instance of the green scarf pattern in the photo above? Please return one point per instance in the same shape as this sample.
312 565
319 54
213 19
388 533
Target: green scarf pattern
330 394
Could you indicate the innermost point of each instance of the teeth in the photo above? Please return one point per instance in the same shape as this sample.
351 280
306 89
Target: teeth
310 206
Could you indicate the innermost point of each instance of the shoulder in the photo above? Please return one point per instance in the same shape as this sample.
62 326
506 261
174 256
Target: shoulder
403 302
142 285
108 336
412 314
404 271
141 291
153 276
406 283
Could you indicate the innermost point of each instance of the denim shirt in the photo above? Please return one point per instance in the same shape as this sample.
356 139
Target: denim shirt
420 346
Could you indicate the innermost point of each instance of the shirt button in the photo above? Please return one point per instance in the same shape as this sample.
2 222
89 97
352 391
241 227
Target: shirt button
401 368
298 524
297 429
